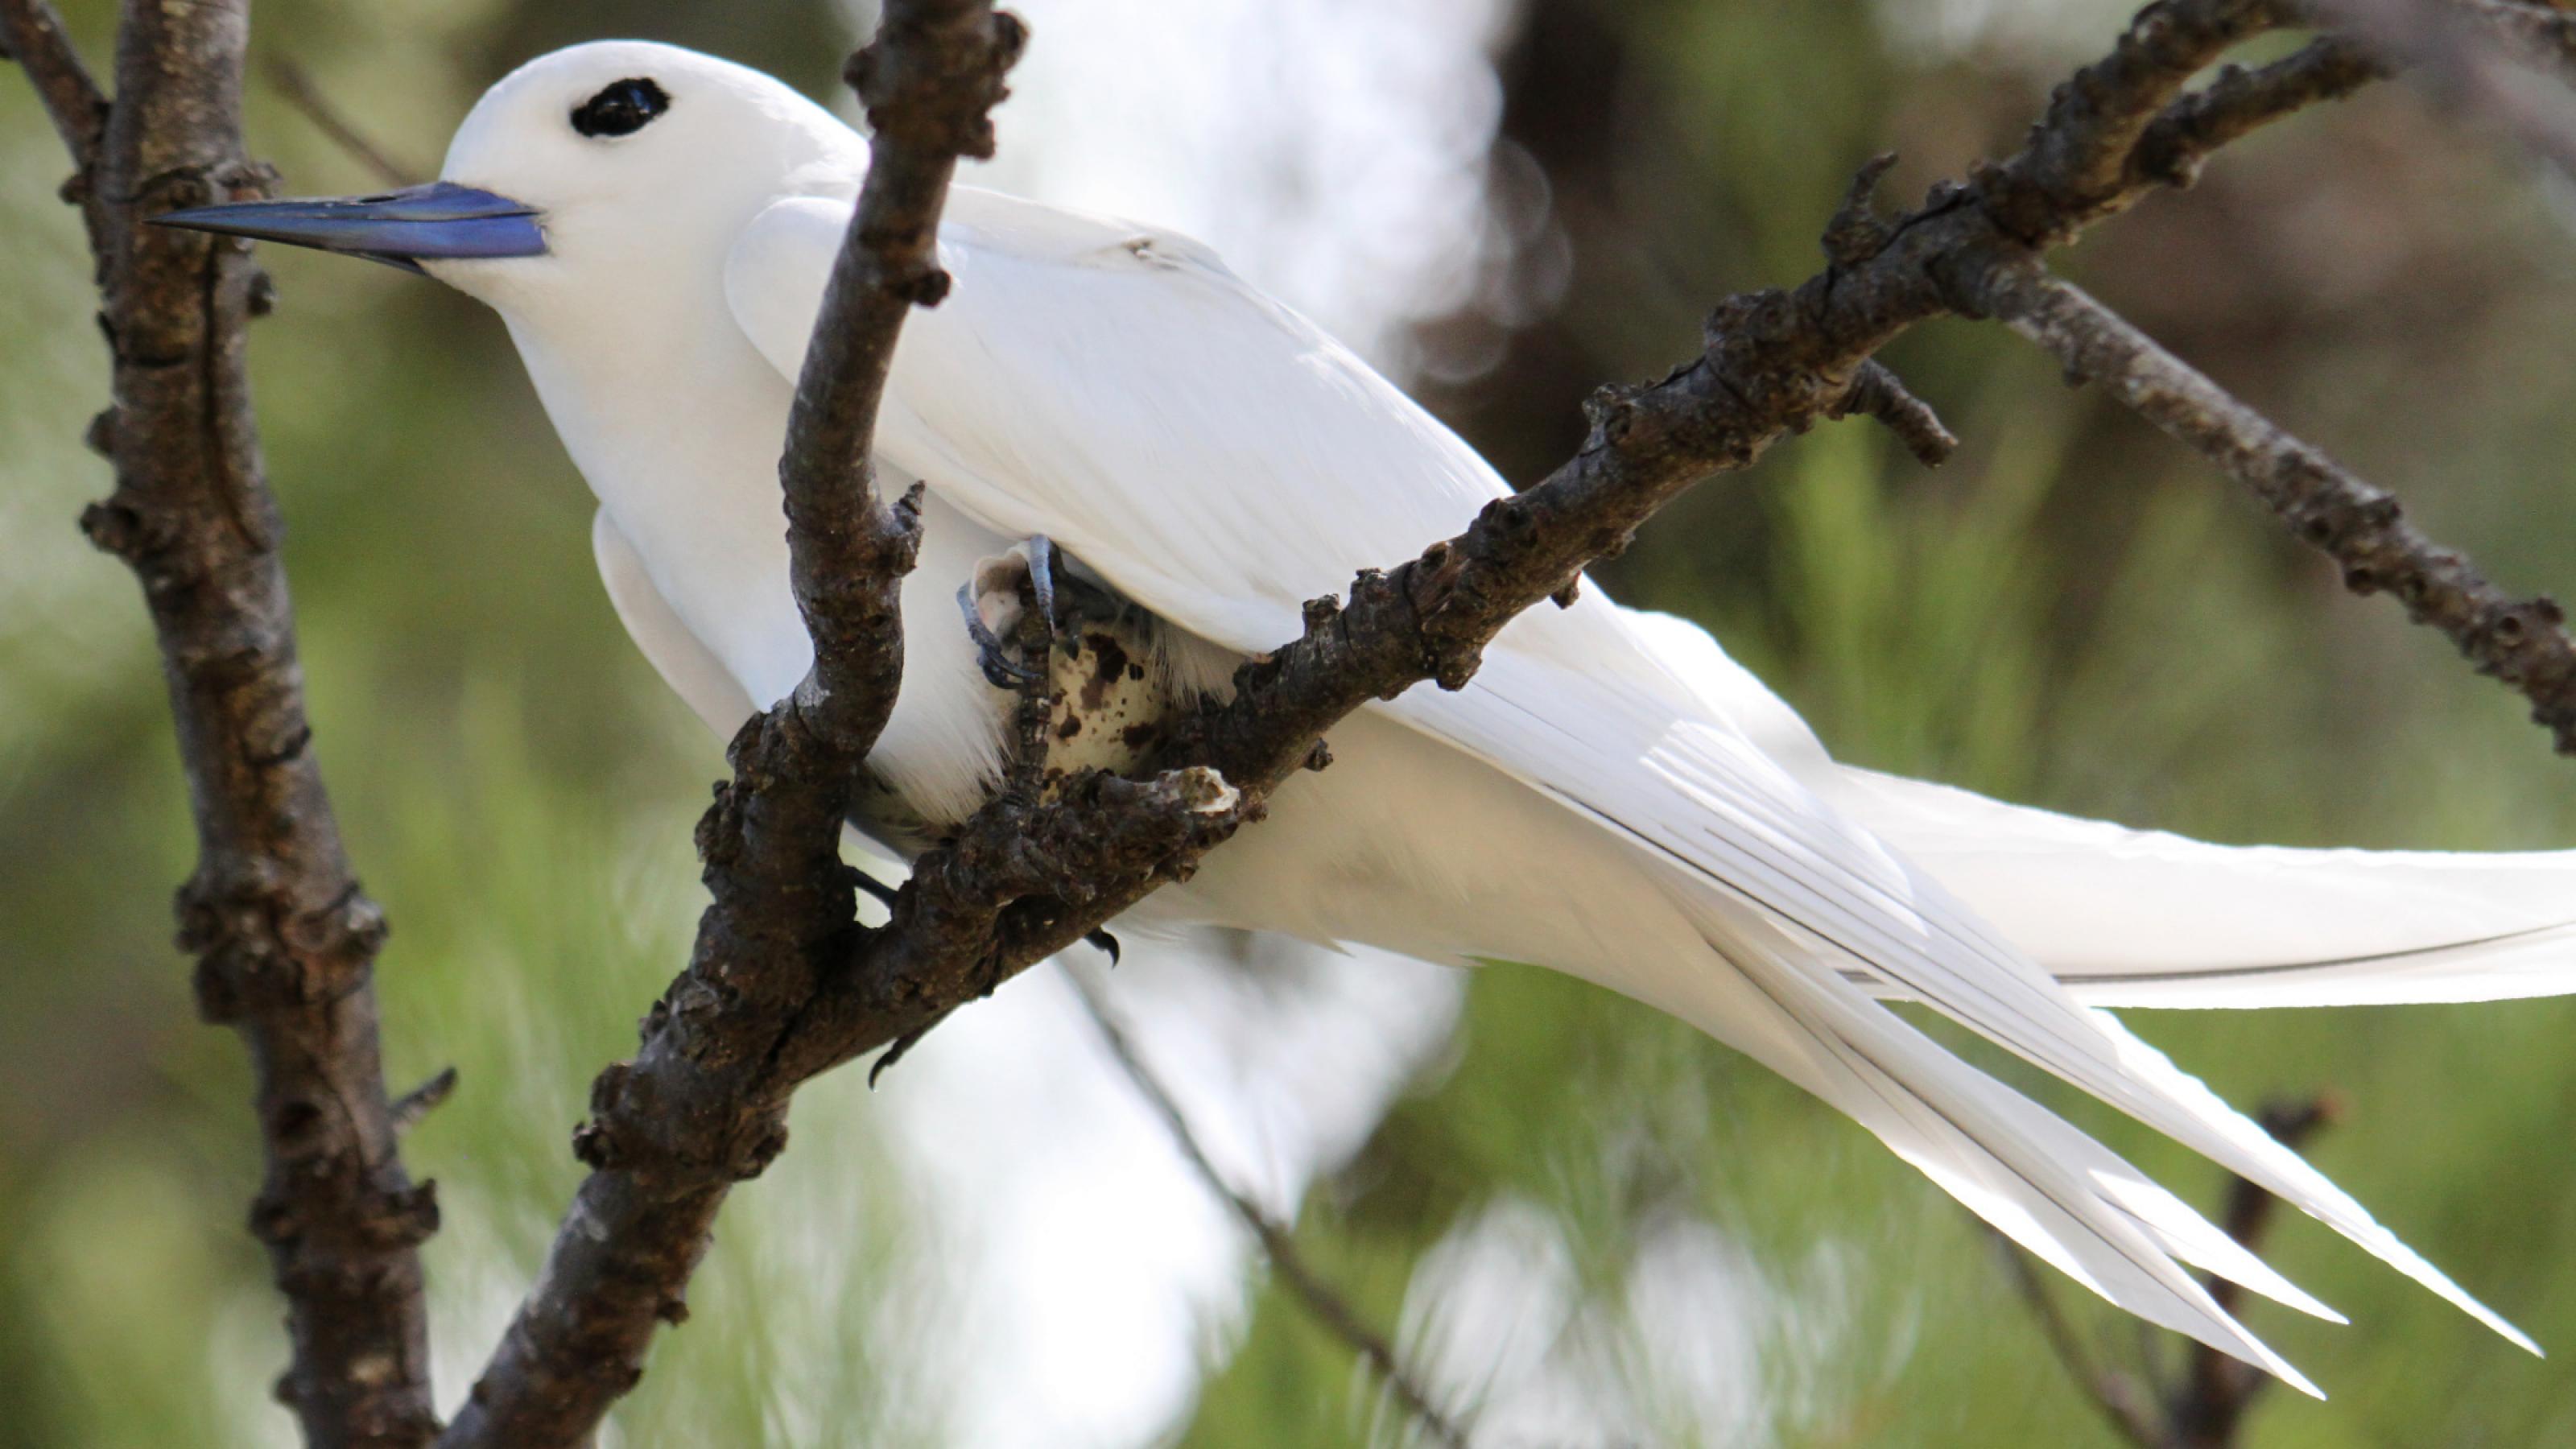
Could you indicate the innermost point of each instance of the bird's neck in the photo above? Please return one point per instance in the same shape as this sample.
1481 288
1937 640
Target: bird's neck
676 423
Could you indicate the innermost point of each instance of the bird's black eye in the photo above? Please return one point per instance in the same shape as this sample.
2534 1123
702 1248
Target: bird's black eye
621 108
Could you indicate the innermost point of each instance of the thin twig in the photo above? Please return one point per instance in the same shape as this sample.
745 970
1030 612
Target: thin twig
2363 529
2239 102
786 984
2077 166
296 86
412 1106
2107 1389
1331 1308
32 31
2206 1408
2207 1411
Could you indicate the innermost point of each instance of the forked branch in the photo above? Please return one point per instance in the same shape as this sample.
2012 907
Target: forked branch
783 982
703 1103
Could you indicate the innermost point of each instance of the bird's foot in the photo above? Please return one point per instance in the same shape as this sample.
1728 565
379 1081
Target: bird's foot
1106 943
992 652
1003 592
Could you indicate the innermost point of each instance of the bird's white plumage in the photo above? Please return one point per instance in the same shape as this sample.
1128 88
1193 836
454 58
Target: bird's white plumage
692 670
1611 796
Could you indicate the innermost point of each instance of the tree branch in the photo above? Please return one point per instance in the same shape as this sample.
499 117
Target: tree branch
2239 102
31 31
284 939
2124 1408
295 85
1330 1308
701 1106
786 985
2364 530
2208 1410
783 983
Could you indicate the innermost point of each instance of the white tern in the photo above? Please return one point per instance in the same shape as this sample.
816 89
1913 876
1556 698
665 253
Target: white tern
1611 796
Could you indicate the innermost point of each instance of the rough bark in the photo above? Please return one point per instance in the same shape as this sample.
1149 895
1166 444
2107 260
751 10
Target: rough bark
2362 528
702 1105
783 982
283 937
1023 879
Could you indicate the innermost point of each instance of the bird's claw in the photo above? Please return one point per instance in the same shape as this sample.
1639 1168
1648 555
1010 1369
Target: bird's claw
1040 551
992 652
876 889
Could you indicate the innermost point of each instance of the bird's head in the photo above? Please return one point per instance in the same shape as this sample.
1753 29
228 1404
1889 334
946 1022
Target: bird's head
595 165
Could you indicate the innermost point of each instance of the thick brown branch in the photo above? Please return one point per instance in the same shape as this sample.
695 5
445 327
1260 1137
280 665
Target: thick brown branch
702 1105
283 937
1329 1305
2520 641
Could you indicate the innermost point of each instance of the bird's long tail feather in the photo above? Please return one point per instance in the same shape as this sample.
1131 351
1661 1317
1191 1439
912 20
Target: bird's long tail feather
1782 862
2143 918
2030 1174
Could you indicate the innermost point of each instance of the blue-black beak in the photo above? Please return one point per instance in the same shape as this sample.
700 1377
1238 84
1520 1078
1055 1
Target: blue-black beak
439 221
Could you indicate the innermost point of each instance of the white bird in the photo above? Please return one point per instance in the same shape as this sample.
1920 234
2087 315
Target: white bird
1611 797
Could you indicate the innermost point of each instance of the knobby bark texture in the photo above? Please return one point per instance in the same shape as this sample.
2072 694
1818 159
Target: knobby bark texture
2362 528
703 1103
784 983
283 937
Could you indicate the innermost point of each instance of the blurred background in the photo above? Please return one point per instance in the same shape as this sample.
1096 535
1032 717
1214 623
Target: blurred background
1584 1223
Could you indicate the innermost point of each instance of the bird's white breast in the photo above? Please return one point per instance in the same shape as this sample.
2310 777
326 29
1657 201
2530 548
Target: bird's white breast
677 430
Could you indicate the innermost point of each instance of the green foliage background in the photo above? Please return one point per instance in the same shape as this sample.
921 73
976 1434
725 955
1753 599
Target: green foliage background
2074 613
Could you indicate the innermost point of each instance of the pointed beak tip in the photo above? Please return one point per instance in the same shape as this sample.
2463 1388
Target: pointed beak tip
441 221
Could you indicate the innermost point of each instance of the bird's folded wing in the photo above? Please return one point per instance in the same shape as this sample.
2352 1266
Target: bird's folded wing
1219 460
1041 397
